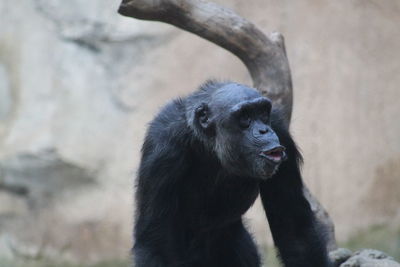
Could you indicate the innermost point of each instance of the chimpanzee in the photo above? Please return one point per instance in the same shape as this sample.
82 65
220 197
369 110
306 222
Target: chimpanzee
205 159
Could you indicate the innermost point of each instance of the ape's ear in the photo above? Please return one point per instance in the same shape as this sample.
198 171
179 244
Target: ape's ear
202 117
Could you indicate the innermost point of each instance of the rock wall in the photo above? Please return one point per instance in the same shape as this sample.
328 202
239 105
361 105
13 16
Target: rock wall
79 83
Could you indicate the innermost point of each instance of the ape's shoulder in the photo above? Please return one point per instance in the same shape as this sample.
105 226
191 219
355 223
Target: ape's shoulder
173 112
170 123
176 117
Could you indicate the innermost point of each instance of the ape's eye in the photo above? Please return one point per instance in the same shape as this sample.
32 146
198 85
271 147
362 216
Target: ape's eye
244 121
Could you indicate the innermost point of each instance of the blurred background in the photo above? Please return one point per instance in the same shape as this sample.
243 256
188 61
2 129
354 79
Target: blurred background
79 83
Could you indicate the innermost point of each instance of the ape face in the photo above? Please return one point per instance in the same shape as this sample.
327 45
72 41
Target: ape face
237 121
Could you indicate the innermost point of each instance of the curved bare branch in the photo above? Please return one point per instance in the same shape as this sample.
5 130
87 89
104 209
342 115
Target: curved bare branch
263 55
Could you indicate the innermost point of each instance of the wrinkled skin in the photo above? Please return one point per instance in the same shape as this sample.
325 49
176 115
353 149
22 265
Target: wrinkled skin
245 142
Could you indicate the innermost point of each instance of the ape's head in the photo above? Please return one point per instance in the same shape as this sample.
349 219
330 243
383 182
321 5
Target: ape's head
236 123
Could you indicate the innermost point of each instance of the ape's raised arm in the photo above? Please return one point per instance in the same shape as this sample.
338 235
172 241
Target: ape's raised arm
300 239
162 166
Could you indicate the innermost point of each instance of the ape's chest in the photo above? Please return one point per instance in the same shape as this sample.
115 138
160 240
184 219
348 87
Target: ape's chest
233 198
219 199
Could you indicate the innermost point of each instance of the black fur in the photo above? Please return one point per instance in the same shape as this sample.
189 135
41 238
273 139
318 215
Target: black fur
200 173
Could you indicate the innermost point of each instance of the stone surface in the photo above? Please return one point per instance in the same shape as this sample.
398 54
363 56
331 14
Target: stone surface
340 255
363 258
370 258
79 83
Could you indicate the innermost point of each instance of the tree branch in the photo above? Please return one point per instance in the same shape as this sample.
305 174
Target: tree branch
263 55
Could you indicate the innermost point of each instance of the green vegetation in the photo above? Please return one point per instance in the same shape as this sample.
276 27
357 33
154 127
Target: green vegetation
48 263
270 257
378 237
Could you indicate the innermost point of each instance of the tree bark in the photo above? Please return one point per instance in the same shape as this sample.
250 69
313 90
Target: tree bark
264 55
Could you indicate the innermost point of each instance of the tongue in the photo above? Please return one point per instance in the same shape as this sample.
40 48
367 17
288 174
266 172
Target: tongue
275 155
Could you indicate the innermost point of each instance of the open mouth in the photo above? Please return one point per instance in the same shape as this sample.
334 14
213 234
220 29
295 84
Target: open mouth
276 154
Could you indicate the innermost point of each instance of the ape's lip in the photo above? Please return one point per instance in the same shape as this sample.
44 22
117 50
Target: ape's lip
276 154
